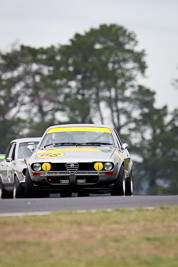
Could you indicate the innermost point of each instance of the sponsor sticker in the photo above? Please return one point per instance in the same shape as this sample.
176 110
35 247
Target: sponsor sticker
50 155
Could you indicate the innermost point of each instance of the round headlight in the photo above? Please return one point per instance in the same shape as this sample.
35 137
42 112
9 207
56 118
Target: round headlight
98 166
108 166
37 167
46 166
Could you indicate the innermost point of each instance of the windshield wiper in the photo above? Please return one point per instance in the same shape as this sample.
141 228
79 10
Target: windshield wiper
54 144
78 144
49 145
62 144
67 144
95 144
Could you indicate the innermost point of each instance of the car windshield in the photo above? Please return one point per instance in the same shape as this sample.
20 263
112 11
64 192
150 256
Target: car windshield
78 136
23 151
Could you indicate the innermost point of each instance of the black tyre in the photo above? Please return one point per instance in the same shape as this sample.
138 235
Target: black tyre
119 185
65 193
129 185
82 193
3 192
18 190
29 187
42 194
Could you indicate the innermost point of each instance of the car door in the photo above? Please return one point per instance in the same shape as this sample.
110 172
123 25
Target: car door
3 165
9 159
2 169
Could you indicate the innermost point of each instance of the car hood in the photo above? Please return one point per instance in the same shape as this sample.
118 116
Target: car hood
74 154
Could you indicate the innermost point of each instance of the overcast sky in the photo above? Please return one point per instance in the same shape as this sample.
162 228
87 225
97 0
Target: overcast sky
52 22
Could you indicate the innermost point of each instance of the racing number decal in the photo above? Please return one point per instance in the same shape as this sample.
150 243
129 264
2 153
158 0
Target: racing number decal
50 155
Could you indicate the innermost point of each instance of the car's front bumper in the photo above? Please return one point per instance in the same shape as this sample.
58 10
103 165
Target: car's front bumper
88 180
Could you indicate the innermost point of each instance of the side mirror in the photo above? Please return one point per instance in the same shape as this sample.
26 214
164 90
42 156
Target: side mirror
31 148
8 159
124 146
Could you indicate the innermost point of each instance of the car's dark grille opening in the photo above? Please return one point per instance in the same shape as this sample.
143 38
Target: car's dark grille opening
58 167
58 180
81 166
86 166
87 179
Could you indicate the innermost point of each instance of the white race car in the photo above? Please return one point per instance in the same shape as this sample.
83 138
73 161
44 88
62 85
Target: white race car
83 158
13 167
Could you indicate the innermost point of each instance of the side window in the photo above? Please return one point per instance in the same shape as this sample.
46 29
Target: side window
118 138
9 151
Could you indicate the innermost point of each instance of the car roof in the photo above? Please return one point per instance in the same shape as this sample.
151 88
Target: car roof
27 139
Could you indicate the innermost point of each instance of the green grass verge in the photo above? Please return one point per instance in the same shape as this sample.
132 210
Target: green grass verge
123 238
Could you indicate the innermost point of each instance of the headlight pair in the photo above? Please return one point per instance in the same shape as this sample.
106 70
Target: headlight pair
38 167
107 166
98 166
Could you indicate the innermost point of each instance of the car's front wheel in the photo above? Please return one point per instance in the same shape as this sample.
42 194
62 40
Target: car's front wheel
29 187
119 185
129 185
3 192
18 191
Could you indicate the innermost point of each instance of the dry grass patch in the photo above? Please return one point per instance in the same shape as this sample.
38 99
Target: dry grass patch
118 238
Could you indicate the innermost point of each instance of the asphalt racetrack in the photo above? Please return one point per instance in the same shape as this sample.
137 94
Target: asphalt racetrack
15 207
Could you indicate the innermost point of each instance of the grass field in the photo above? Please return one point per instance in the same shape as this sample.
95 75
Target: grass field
122 238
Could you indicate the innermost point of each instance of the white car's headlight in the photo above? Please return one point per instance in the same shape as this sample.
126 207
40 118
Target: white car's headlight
36 167
108 166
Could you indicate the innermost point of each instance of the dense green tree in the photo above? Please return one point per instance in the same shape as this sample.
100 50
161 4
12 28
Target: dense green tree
11 99
120 62
76 67
39 93
156 132
28 95
99 71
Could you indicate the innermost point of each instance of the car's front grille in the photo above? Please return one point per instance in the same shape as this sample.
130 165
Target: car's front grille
86 166
58 167
62 173
82 166
72 167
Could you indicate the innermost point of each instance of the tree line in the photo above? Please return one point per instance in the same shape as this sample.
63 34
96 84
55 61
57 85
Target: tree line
93 79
